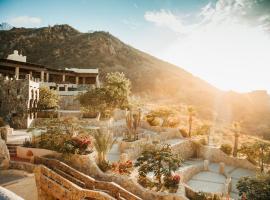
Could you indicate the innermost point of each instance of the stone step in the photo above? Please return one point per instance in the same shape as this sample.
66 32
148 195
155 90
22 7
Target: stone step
70 178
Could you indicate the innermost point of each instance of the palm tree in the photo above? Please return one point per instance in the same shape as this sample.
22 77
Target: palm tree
236 130
103 143
191 113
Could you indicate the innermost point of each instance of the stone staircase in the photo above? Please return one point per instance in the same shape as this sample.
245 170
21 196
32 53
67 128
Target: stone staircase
12 150
61 181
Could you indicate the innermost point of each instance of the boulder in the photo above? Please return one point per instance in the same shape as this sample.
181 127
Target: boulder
4 155
6 194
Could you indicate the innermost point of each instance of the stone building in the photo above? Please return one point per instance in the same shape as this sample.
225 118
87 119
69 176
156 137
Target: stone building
18 100
20 82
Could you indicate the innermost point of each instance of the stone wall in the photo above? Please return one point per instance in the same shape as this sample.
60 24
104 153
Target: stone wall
88 166
214 154
186 149
18 101
187 172
29 167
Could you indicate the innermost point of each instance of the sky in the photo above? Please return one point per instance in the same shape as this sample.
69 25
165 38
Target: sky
225 42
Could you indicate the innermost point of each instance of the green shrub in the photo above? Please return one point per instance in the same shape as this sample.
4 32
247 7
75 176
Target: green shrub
226 148
255 188
104 166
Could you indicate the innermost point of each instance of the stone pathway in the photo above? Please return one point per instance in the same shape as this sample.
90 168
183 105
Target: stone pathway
207 182
20 182
18 136
114 155
25 188
212 181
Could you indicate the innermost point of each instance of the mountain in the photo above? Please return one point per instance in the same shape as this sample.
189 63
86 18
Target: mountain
62 46
5 26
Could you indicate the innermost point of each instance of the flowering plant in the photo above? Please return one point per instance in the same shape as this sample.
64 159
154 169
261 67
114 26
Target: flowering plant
77 145
122 167
172 182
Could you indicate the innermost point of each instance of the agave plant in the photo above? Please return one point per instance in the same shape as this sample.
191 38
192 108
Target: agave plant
103 142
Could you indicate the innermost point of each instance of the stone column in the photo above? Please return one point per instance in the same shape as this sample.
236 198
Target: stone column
77 80
221 168
97 82
83 79
47 77
64 78
17 72
206 165
31 75
42 76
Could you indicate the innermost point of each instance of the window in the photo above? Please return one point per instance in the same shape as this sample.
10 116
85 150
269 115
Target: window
61 88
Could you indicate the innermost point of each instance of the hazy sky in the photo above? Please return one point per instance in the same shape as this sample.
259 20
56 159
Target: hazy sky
225 42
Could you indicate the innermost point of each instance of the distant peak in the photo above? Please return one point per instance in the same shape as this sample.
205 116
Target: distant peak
5 26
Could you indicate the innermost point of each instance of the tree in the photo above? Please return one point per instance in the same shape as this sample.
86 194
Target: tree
255 188
48 99
118 89
257 153
103 142
113 94
191 113
160 160
236 130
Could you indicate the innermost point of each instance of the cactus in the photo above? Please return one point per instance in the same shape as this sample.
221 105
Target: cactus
133 121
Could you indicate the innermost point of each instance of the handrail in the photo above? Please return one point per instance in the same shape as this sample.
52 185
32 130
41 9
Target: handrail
61 188
90 183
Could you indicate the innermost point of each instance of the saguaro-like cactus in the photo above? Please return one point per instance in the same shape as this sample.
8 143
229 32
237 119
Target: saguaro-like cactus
133 120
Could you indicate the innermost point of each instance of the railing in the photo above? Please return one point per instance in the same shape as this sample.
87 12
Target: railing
85 181
60 188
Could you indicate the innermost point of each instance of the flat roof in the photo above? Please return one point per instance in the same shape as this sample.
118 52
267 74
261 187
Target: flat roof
86 71
46 68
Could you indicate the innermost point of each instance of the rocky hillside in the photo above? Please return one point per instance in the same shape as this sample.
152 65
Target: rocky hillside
62 46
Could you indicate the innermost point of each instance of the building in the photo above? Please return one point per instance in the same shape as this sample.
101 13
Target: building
24 78
18 101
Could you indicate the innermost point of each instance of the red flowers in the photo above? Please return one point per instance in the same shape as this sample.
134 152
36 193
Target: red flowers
175 178
122 167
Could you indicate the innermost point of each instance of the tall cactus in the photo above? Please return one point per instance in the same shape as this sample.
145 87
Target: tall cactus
133 121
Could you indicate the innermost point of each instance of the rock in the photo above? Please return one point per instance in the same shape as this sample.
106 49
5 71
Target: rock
4 155
6 194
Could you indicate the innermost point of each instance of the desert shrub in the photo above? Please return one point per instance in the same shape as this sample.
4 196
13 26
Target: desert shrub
2 122
122 167
145 182
104 166
163 116
255 188
153 121
202 141
226 148
172 183
183 132
203 130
